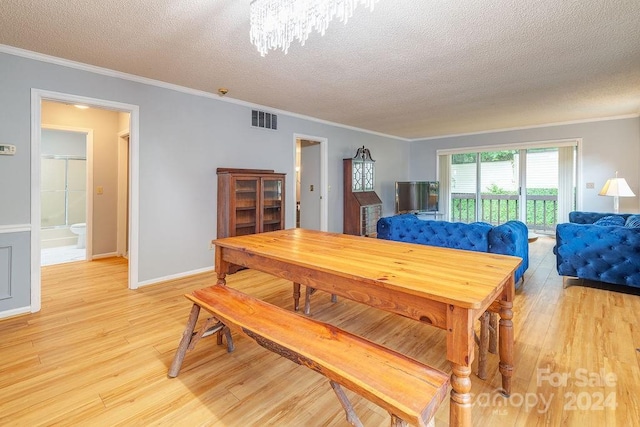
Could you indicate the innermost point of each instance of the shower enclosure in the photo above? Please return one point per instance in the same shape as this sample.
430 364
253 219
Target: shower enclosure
63 200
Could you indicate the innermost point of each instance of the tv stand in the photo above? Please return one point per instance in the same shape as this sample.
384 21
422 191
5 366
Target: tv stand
430 215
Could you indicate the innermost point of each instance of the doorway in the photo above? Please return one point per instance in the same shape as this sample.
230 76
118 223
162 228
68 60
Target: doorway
311 183
65 207
132 112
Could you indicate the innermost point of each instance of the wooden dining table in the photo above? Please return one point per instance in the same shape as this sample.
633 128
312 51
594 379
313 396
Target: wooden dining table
442 287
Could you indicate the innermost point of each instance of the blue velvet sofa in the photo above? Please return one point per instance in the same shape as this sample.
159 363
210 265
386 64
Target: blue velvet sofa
510 238
587 247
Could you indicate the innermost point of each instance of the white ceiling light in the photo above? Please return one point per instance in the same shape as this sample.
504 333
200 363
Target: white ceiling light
275 23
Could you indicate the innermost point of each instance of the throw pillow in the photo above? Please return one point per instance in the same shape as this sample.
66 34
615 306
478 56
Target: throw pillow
610 220
633 221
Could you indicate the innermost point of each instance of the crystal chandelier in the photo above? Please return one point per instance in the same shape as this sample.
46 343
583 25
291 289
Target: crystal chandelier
275 23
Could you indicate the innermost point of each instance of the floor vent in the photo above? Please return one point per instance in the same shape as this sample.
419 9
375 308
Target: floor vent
262 119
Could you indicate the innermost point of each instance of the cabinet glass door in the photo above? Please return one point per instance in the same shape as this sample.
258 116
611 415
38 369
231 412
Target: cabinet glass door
272 199
246 218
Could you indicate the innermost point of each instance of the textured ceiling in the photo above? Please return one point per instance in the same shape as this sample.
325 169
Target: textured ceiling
412 68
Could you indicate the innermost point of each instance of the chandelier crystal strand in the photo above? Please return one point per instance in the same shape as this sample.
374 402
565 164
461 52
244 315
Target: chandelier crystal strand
275 23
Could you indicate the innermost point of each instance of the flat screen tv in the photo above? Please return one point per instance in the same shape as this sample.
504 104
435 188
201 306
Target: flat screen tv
417 196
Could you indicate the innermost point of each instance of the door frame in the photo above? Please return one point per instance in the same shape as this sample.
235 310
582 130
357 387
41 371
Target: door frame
88 181
37 96
123 186
324 180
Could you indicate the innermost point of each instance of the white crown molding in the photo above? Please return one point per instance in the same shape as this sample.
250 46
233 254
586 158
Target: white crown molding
545 125
144 80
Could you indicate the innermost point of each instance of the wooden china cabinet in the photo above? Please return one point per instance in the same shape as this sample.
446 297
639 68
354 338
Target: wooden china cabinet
249 201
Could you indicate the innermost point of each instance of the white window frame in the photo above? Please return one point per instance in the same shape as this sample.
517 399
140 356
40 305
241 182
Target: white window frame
444 155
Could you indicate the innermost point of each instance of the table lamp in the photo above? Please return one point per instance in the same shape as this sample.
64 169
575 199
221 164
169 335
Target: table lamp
616 187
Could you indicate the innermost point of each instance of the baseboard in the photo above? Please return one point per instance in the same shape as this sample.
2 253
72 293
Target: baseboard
14 312
107 255
175 276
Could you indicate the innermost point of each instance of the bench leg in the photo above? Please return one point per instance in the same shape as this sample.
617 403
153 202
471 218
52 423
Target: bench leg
493 333
307 299
352 417
227 333
210 327
483 346
190 338
296 296
184 341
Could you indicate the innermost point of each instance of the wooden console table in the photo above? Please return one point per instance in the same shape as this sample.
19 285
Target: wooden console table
443 287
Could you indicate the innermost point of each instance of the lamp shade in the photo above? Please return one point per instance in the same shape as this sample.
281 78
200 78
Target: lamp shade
616 187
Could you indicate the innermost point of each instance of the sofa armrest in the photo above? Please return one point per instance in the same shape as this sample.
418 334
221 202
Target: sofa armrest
388 227
511 238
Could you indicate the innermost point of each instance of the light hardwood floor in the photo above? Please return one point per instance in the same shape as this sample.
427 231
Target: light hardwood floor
97 355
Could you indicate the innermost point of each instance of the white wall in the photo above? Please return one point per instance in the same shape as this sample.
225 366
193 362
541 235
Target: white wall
183 139
607 146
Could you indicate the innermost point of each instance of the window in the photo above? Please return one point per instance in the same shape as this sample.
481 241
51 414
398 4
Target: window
534 184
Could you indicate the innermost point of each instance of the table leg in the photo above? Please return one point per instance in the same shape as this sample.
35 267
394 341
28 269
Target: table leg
460 406
221 279
506 345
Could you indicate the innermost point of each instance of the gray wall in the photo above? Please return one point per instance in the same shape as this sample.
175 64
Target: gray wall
607 146
183 139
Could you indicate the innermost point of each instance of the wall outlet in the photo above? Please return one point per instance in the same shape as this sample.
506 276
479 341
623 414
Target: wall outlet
211 246
590 185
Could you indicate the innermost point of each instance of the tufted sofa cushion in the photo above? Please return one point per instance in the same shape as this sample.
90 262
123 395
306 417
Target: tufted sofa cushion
506 239
579 217
633 221
606 254
610 220
456 235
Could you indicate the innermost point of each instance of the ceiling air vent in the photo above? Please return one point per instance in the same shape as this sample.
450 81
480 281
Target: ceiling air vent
262 119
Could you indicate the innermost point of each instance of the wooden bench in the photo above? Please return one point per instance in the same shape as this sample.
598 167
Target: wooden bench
409 390
487 342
